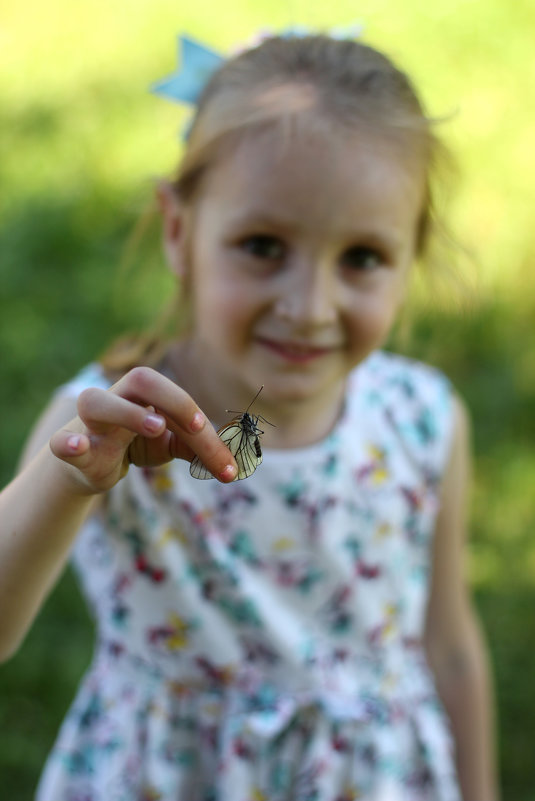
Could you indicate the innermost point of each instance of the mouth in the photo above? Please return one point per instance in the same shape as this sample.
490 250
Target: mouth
296 352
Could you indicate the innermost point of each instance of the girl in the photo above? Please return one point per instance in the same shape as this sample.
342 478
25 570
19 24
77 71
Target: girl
305 634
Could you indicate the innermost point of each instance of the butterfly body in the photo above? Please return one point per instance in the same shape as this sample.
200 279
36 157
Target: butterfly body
257 447
242 437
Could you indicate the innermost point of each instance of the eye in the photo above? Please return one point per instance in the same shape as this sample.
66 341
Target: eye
362 258
262 246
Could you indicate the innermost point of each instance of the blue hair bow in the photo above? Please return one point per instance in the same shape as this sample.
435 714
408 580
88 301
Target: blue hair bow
197 63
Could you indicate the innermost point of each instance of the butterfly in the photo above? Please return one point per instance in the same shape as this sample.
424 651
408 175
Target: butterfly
242 437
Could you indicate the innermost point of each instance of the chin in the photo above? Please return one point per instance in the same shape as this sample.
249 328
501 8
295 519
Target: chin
298 391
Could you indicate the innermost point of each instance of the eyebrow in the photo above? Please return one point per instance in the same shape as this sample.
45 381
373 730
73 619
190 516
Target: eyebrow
260 218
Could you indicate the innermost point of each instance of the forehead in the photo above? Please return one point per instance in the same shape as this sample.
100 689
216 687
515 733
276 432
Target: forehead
309 171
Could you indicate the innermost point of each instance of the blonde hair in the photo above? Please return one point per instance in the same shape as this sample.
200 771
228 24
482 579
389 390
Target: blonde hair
344 82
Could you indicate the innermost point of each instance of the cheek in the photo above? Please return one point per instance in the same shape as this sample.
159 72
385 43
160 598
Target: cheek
372 315
226 306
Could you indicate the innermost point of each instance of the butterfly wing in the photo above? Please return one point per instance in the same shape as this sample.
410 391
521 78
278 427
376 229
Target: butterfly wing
241 438
244 446
198 470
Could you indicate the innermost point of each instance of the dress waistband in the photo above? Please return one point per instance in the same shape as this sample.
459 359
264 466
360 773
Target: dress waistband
265 704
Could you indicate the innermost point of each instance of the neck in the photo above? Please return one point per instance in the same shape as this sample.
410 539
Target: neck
295 423
301 423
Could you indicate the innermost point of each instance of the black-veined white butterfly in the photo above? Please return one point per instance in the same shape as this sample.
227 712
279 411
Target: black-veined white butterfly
242 437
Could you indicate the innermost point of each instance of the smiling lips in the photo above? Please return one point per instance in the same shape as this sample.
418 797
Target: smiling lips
296 352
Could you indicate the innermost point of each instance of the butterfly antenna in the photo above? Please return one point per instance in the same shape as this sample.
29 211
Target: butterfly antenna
231 411
255 397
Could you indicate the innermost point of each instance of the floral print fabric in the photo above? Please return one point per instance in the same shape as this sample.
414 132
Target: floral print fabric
262 641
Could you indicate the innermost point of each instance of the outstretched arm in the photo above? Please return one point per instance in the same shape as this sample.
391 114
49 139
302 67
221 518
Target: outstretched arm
454 642
67 469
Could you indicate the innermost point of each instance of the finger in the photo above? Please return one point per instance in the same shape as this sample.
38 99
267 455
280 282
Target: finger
76 449
184 419
70 446
171 445
153 452
146 386
100 409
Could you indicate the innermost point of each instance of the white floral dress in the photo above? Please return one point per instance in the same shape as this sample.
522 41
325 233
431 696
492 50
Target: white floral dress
262 641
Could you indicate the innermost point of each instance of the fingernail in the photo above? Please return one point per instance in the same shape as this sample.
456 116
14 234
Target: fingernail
73 442
228 474
153 422
197 422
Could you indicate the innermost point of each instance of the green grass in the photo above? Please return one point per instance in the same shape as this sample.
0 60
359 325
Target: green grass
81 143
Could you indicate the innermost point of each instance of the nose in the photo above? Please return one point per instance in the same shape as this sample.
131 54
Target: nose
308 296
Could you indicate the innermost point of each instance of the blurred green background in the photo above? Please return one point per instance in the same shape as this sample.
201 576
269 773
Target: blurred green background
81 144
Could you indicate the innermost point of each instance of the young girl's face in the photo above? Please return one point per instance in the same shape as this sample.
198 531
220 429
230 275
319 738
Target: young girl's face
300 252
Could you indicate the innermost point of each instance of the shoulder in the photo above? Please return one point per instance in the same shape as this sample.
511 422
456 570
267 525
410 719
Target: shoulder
405 376
62 408
415 401
92 375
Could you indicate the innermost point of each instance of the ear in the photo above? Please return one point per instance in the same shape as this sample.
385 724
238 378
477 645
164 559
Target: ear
173 214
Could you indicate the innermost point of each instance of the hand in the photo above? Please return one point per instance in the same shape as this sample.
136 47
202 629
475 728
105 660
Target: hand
144 419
